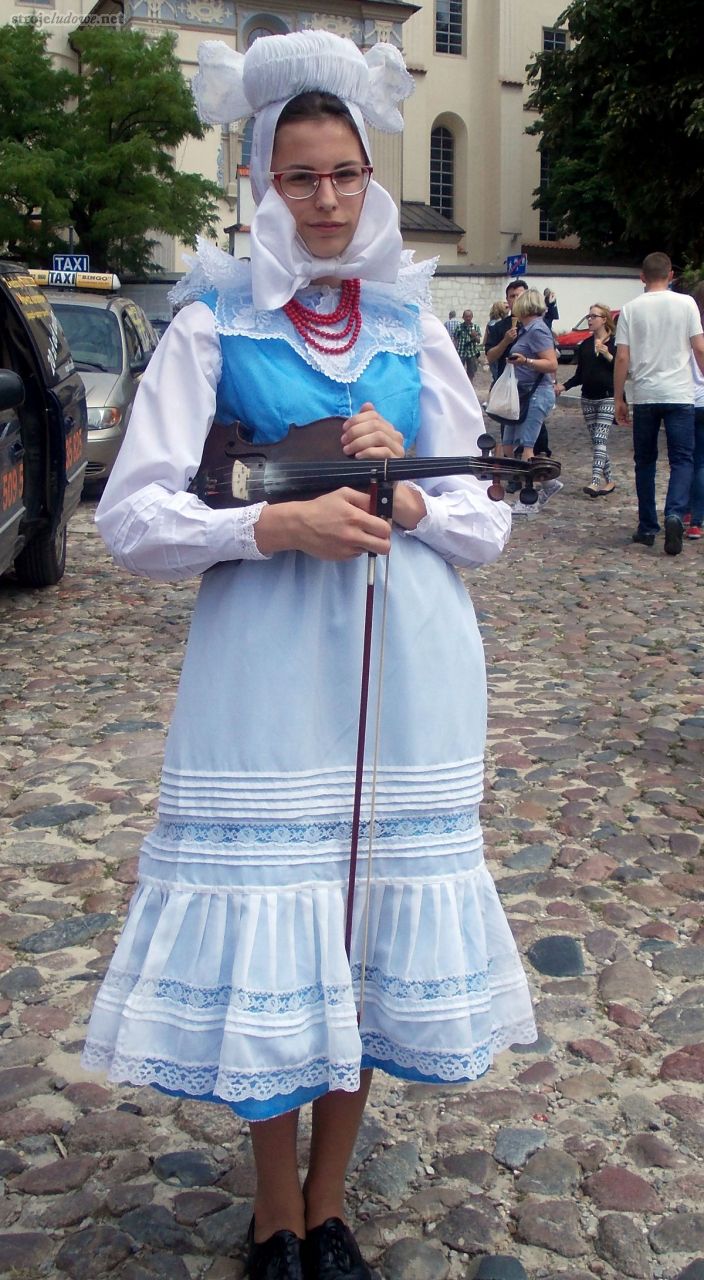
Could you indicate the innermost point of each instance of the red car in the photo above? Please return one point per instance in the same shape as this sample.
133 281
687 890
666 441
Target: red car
567 343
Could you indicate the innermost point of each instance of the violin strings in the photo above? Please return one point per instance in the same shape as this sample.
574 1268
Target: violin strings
280 474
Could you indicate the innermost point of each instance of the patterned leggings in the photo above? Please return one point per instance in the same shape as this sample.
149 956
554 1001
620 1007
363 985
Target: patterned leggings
599 415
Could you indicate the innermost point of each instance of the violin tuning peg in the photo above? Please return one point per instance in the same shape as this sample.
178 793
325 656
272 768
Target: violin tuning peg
528 496
496 491
486 443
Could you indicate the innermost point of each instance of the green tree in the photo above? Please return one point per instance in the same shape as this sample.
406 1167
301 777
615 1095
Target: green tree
96 152
133 110
33 163
622 121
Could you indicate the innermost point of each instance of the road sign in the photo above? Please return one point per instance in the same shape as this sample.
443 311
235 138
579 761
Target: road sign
71 262
517 264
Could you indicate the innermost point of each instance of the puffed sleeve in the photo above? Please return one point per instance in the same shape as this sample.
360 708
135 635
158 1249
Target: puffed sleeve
462 523
150 524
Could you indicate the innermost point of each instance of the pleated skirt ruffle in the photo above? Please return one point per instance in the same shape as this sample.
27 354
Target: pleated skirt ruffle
230 980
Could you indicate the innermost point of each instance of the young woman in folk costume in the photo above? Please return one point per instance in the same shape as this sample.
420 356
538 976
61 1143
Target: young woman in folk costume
231 980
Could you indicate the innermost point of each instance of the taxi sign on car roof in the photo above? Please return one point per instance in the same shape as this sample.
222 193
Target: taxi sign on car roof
100 280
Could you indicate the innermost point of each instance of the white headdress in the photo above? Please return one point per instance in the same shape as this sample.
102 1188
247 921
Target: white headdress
232 86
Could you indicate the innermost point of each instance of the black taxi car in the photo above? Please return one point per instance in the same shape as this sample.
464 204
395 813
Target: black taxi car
43 427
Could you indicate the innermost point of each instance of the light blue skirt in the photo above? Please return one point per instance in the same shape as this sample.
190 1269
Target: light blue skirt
230 979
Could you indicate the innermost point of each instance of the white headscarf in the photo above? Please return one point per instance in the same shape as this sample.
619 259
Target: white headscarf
231 86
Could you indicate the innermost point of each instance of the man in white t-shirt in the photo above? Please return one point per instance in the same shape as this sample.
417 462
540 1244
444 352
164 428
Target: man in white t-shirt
655 339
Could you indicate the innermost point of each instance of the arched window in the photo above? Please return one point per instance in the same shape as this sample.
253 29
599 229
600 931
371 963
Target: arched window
256 32
442 171
263 24
247 142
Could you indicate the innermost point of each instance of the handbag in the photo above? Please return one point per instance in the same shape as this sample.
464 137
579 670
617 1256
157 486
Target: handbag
504 403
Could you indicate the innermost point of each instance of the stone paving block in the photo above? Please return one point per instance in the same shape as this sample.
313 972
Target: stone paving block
594 826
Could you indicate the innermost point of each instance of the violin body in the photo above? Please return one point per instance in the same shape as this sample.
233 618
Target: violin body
309 461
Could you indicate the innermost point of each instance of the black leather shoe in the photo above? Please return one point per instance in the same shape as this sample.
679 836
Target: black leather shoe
332 1253
278 1258
646 538
674 533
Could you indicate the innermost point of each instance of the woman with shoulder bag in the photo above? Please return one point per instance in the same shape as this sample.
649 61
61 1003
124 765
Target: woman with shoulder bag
534 359
595 375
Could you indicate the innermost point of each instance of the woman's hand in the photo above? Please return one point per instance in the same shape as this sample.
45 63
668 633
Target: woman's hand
409 507
510 336
336 526
559 388
367 435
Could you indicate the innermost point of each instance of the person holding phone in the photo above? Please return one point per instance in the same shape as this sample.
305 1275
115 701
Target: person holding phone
595 375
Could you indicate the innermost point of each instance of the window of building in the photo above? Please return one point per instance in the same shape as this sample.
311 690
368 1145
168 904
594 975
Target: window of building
256 33
554 40
264 24
442 171
548 230
247 142
448 26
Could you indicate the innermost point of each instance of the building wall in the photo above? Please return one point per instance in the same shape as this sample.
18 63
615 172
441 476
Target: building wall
575 293
479 95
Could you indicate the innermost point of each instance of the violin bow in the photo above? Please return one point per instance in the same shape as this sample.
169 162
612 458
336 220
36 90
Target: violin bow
381 493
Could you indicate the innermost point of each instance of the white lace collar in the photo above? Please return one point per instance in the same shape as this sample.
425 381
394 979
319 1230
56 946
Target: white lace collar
390 311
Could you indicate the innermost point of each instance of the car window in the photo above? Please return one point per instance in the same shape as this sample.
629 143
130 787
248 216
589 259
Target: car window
93 335
42 320
147 337
135 349
583 324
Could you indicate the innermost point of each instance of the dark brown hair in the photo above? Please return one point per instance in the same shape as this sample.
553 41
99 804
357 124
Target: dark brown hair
656 266
318 105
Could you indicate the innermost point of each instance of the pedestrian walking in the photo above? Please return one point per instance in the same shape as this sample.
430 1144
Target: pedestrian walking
595 375
551 312
533 356
694 521
231 981
452 323
497 344
655 338
499 310
468 343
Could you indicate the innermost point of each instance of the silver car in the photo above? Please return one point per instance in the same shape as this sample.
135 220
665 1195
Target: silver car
111 342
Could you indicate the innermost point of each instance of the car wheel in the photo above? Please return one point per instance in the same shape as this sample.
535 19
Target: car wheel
43 561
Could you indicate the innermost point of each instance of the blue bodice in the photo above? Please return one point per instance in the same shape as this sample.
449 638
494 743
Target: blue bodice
266 384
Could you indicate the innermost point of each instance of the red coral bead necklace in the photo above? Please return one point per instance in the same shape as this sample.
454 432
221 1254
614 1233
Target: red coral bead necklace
312 325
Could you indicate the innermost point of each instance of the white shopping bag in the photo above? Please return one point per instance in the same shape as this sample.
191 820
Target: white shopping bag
503 399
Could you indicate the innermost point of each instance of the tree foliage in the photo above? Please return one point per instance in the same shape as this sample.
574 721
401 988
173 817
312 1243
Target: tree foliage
622 121
32 159
100 155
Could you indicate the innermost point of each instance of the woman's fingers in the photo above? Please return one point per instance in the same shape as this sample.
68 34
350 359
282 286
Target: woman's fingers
372 446
367 435
339 526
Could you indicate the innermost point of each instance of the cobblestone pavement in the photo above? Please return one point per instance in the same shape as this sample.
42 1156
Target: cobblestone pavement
578 1156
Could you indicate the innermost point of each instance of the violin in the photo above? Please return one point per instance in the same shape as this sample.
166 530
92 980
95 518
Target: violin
309 461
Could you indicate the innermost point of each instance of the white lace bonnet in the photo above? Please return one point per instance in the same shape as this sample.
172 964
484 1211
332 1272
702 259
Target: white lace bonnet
231 86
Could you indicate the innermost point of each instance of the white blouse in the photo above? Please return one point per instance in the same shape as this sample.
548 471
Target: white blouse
155 529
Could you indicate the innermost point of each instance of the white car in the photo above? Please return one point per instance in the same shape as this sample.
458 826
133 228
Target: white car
111 342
